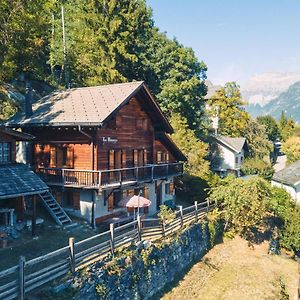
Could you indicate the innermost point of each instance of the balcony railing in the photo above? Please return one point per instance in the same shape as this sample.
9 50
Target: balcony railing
108 178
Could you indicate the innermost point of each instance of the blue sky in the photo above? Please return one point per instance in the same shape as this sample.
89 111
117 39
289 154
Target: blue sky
235 38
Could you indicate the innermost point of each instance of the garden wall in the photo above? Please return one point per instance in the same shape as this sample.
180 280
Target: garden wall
141 271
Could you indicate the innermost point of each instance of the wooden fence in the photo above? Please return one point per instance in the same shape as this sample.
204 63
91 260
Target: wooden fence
15 282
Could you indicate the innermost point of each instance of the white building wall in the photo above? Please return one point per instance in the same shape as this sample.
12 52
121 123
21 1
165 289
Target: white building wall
101 206
293 191
228 158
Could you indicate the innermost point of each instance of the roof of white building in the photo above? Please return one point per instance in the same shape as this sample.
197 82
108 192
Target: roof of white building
289 175
236 144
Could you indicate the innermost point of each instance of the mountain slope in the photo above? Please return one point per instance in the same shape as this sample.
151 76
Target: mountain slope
288 101
263 88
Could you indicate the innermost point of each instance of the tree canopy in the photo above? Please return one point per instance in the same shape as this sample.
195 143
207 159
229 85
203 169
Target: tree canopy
271 126
227 103
105 42
291 147
257 140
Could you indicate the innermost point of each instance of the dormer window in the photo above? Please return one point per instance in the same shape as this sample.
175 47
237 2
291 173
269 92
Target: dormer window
5 153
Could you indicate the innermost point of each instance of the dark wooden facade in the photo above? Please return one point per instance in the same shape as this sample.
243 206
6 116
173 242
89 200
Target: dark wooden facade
127 141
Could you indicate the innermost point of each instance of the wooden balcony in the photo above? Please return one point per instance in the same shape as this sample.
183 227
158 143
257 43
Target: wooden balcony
106 179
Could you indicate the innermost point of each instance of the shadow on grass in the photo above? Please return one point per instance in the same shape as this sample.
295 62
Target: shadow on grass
263 233
168 287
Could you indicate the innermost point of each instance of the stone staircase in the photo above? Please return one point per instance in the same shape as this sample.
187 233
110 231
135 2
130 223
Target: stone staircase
55 210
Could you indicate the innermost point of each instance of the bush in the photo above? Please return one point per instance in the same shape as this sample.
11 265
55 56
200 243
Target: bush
288 213
255 166
291 147
191 188
243 203
166 214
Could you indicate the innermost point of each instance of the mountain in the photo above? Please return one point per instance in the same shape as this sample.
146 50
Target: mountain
288 101
263 88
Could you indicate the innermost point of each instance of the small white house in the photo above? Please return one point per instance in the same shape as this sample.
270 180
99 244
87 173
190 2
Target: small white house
227 154
289 179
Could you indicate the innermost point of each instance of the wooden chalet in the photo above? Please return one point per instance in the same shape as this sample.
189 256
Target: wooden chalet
96 145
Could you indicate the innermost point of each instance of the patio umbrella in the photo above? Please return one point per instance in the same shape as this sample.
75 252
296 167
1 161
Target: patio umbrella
135 202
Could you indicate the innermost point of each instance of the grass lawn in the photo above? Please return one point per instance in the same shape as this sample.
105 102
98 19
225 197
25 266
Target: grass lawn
235 271
50 238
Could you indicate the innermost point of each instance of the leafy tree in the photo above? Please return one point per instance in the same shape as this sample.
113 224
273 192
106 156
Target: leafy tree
195 150
288 213
291 147
243 203
24 32
271 127
180 86
257 140
255 166
287 127
228 103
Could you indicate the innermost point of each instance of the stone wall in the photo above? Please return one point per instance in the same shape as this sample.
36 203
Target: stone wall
141 271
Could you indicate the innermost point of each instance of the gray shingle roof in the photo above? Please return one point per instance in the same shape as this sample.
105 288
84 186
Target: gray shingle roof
86 106
236 144
289 175
18 180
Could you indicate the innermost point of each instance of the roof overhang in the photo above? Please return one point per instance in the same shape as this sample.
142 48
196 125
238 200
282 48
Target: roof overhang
20 136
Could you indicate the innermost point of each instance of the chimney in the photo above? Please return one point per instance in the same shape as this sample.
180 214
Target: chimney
28 100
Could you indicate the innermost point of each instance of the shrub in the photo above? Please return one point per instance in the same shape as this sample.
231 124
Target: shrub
291 147
288 213
166 214
243 203
256 166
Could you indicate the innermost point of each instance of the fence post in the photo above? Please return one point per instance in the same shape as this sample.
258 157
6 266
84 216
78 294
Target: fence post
112 238
207 209
139 228
163 229
72 254
196 211
181 215
22 262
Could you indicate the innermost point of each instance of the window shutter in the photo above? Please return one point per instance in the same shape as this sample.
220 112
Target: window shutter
159 157
52 157
146 192
167 157
111 159
135 158
70 157
145 157
171 188
124 162
110 202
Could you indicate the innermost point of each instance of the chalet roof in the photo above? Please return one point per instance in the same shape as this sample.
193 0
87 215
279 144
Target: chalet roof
18 180
171 146
236 144
20 136
90 106
289 175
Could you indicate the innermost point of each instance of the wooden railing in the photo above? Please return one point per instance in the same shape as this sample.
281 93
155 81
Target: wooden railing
105 178
17 281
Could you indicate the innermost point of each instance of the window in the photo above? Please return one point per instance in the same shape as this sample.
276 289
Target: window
236 159
5 153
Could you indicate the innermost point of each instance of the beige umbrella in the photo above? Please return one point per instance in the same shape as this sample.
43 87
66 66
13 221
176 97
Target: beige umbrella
135 202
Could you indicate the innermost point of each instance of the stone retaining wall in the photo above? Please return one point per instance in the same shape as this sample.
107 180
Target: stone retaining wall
142 271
